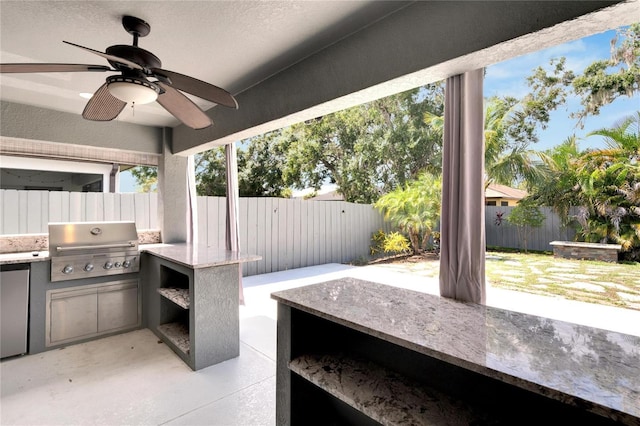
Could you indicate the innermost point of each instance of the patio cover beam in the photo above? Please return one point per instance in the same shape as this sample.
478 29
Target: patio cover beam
424 42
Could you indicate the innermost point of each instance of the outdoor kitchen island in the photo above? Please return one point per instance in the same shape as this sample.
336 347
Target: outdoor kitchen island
191 300
357 352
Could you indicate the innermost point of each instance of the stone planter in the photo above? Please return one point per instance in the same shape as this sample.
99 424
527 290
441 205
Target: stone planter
587 251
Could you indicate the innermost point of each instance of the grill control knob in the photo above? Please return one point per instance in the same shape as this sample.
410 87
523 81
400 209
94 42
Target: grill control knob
67 269
118 264
126 263
108 265
88 267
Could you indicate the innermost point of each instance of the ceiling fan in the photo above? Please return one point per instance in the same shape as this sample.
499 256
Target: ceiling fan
141 81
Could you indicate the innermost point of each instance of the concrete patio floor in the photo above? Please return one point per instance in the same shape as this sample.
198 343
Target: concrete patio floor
132 379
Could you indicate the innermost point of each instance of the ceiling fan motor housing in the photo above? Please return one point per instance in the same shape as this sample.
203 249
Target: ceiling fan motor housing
142 57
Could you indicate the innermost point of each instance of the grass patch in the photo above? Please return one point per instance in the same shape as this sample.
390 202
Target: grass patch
612 284
583 280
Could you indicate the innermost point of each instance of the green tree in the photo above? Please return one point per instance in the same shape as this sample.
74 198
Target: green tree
369 149
414 209
603 80
602 184
146 178
260 167
211 178
525 217
560 179
509 129
609 181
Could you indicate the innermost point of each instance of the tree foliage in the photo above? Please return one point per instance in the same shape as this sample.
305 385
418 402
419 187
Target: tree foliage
602 184
414 209
260 168
211 178
603 81
370 149
146 178
557 187
525 217
509 128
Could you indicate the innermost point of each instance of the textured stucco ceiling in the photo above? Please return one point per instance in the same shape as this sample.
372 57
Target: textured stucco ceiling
232 44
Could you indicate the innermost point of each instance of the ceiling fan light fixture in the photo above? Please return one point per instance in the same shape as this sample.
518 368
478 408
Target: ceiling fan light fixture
132 89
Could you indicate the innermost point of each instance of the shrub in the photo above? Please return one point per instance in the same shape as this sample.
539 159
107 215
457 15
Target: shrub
393 242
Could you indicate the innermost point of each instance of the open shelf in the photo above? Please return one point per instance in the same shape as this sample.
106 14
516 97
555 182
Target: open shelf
179 296
382 394
178 334
188 303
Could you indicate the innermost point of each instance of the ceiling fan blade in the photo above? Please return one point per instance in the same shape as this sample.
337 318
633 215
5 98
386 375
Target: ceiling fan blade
197 87
183 108
35 68
112 58
103 106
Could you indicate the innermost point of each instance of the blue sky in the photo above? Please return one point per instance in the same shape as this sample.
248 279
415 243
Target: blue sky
509 79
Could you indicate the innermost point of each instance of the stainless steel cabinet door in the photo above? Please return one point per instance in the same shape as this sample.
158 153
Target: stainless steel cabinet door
72 314
118 306
14 306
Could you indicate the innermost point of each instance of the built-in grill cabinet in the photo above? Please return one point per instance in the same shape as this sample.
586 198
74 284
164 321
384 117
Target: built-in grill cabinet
93 288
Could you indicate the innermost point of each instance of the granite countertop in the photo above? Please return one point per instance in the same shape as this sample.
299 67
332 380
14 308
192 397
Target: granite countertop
595 369
26 257
198 256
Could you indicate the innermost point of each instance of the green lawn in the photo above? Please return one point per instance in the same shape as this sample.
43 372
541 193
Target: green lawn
612 284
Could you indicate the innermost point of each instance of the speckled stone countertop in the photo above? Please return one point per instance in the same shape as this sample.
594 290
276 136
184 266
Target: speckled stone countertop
597 370
198 256
28 257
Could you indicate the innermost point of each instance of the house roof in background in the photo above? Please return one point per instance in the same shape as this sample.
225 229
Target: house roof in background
502 191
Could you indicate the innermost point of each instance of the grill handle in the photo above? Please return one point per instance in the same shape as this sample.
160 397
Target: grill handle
98 246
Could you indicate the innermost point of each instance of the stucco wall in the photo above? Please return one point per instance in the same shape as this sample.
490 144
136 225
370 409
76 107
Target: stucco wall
30 122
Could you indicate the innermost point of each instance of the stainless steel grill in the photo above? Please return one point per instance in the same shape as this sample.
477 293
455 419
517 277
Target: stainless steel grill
92 249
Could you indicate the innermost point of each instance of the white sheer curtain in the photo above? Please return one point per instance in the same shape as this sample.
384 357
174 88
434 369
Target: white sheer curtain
462 244
232 230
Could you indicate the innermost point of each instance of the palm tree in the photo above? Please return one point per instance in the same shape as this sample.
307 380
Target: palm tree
414 209
507 157
603 184
559 181
610 183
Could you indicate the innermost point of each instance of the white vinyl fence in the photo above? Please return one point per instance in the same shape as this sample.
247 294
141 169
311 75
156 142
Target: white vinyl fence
292 233
499 233
29 212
